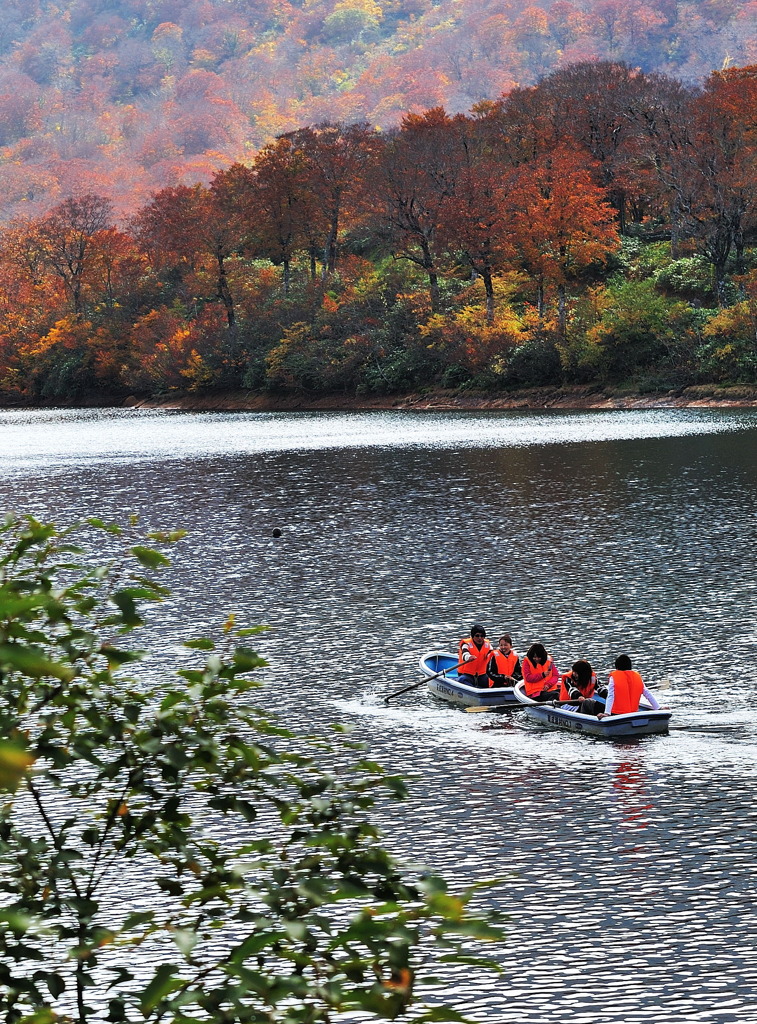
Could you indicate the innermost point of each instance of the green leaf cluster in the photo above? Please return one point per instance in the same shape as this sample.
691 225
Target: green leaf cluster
260 873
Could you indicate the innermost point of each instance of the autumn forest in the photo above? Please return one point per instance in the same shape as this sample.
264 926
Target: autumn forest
570 222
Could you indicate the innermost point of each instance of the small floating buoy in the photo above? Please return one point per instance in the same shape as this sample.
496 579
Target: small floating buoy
276 532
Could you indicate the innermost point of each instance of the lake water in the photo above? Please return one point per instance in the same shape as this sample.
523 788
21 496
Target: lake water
630 869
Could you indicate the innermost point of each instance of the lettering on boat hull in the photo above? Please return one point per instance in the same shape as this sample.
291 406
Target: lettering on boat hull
557 720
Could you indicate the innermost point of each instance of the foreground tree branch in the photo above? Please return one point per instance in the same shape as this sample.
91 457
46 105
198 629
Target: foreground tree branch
302 916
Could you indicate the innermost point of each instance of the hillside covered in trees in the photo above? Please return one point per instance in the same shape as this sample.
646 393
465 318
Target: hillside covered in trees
598 227
125 97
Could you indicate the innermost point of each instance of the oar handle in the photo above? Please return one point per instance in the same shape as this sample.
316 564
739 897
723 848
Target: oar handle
444 671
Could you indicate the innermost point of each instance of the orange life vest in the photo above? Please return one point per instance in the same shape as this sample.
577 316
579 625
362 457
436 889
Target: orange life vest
628 688
504 663
481 656
545 673
567 683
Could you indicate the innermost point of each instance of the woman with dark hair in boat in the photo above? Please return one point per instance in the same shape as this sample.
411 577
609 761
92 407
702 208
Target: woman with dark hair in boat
625 688
504 665
540 674
474 652
580 685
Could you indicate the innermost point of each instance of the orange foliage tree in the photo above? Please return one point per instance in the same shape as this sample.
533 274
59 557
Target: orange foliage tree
68 238
704 148
723 165
337 157
413 179
281 211
186 228
477 215
117 270
562 223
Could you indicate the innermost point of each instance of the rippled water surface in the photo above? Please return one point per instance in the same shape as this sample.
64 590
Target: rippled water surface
630 869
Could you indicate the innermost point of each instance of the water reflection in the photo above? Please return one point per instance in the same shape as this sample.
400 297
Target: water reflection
629 869
632 798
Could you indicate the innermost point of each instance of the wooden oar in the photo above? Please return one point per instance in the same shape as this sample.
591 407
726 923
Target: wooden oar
511 706
519 707
426 679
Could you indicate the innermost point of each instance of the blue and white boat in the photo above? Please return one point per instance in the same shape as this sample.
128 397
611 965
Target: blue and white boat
449 687
644 722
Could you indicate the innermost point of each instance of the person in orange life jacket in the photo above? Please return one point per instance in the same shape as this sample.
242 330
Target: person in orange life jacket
540 674
504 664
580 685
625 688
474 653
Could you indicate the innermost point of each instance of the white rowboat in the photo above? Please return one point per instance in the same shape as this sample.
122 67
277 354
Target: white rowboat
449 687
644 722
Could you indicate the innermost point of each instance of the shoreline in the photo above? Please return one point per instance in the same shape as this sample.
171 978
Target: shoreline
578 398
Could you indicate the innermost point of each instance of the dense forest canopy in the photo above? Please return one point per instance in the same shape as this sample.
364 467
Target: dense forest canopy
124 97
599 227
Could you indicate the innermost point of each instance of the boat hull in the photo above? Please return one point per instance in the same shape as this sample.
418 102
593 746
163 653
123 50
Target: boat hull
644 722
448 687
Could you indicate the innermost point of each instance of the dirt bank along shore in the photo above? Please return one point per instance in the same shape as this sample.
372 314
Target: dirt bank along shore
733 397
698 397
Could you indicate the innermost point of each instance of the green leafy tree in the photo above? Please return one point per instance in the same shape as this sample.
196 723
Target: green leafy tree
641 330
303 917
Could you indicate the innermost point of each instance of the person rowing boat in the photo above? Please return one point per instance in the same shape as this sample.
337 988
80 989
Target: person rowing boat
474 652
